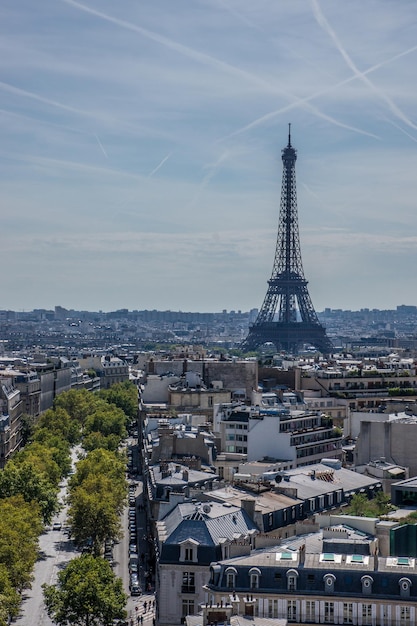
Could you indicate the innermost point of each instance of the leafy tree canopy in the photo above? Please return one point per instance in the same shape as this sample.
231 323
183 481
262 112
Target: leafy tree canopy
27 480
108 420
9 598
78 403
105 462
87 594
59 421
41 457
124 396
20 526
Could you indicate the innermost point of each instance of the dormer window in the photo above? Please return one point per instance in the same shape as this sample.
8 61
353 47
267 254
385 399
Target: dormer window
231 577
254 575
188 551
367 582
292 576
329 581
405 586
189 554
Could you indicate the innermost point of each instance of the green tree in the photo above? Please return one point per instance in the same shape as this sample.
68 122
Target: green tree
59 447
79 404
124 396
20 526
9 598
382 503
94 512
104 462
87 594
59 421
95 440
358 505
108 420
28 425
41 457
27 480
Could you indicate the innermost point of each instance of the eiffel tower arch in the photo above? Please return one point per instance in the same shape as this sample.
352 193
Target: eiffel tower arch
287 317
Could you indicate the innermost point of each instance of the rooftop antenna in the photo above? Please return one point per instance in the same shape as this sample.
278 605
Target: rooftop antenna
289 135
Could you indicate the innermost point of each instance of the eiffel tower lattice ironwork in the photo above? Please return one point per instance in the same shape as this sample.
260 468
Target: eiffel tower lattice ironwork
287 292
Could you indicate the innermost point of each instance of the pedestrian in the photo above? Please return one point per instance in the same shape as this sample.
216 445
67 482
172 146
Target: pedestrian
145 605
141 619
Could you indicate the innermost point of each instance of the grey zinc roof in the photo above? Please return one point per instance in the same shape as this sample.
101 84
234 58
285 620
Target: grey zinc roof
206 522
301 479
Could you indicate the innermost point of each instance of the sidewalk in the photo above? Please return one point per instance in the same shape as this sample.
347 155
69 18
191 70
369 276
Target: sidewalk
144 611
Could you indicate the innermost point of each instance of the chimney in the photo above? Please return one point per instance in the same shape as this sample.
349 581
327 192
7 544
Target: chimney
248 505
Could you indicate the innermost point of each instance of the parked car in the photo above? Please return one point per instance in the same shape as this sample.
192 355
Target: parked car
135 590
56 526
133 549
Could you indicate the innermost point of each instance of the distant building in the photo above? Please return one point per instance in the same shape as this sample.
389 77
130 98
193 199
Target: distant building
110 369
393 438
272 430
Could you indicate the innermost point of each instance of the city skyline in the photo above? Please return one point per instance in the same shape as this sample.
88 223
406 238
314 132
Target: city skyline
141 152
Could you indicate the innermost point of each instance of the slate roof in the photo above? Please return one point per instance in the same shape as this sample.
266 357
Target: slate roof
206 523
348 567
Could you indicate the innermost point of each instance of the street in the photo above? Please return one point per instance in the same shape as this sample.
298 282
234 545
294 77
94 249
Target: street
55 551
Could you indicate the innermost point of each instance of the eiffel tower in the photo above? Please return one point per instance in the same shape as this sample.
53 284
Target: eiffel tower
287 292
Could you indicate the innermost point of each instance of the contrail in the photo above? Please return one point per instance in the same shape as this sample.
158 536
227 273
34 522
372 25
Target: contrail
158 167
101 146
206 59
321 20
401 130
34 96
212 169
272 114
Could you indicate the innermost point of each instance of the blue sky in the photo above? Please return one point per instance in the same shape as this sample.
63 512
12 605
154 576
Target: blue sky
140 156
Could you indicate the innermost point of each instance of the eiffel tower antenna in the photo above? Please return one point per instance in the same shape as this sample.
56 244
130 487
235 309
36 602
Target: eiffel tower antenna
287 298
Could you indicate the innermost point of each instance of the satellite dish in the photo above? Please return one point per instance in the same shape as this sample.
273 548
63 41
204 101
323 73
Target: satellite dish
206 508
278 478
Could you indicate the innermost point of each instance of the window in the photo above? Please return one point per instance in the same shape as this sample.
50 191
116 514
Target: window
310 611
272 608
292 610
367 584
292 576
366 614
187 607
329 612
254 580
404 616
405 584
348 613
329 581
188 582
188 554
231 578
